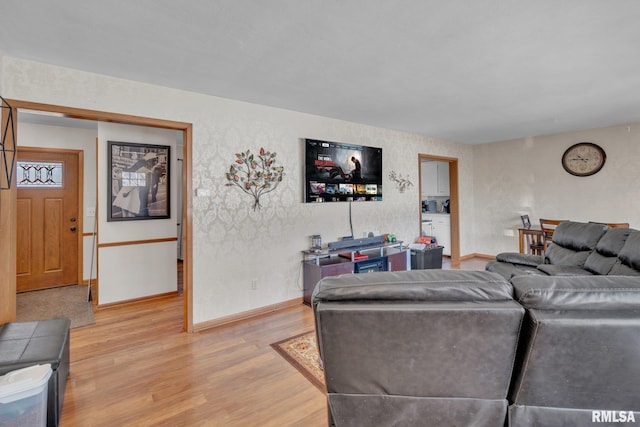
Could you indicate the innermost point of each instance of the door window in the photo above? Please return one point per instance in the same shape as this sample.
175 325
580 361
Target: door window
39 174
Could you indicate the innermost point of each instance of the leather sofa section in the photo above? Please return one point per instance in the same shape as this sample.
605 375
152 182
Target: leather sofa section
518 258
576 250
414 285
629 255
375 410
599 293
460 349
562 270
508 270
580 359
605 255
578 236
578 349
437 342
573 242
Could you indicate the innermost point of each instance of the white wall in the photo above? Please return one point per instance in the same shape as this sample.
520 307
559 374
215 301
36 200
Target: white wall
232 245
526 176
135 270
33 135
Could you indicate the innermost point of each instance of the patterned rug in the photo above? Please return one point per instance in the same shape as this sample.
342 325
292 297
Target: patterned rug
302 352
65 301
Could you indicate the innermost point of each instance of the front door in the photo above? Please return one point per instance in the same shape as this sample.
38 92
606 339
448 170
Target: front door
48 224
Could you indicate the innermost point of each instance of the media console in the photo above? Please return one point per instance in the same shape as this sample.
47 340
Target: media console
352 257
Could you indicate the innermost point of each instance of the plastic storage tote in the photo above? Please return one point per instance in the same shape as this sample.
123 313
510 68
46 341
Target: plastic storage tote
23 397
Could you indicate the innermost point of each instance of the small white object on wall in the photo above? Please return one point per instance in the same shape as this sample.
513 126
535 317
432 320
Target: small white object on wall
203 192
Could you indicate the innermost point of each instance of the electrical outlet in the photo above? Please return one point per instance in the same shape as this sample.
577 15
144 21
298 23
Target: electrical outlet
254 284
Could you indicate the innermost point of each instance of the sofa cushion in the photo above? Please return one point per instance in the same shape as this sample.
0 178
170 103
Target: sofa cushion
577 292
629 255
605 255
563 270
508 270
573 242
578 236
415 285
559 255
518 258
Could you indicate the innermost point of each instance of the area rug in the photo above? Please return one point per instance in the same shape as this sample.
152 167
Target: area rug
302 352
65 301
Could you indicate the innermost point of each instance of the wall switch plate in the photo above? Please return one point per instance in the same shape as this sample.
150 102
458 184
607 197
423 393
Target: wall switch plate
91 211
203 192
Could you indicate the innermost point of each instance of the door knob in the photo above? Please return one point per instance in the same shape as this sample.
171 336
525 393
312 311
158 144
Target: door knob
73 229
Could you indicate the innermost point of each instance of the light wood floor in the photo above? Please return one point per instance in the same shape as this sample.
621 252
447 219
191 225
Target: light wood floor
135 367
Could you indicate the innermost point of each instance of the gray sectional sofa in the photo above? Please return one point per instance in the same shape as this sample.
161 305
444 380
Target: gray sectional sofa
577 249
460 348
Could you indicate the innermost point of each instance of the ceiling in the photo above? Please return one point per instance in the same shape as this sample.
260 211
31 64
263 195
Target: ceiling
461 70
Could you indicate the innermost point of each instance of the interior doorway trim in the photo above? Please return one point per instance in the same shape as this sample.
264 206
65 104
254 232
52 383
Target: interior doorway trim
454 205
9 199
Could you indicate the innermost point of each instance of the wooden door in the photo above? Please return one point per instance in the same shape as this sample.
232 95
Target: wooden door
48 223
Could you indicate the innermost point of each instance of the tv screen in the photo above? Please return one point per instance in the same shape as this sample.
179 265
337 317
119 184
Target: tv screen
342 172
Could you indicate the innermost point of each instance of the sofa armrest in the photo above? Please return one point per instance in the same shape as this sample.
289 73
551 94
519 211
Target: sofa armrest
522 259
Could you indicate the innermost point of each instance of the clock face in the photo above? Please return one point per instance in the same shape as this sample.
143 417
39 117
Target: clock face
583 159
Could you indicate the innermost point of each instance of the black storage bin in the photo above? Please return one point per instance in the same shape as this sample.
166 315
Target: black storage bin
427 259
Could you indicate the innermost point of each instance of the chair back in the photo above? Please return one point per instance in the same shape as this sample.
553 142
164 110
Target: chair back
548 226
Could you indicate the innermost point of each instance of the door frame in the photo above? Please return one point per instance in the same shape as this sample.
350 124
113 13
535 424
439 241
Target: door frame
454 205
80 198
8 202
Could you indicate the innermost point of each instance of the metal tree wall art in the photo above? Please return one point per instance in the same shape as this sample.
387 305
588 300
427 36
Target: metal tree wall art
255 175
401 183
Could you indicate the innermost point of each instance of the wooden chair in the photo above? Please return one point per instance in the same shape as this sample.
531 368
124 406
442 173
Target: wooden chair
618 225
612 224
548 226
536 246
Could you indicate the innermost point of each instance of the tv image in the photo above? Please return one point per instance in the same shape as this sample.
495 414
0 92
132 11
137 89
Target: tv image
337 171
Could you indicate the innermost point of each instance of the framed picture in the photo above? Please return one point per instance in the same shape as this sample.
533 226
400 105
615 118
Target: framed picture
139 184
526 222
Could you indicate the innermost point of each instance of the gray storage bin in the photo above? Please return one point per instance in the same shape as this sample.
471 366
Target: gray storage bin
426 259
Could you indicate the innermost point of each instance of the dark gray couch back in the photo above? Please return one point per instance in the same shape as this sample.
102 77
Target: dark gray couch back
628 263
579 349
573 242
605 255
423 347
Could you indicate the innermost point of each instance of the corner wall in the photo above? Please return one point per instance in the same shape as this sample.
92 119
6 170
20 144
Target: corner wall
525 176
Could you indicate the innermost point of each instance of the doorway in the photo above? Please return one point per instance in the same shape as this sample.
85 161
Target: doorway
451 195
49 225
8 208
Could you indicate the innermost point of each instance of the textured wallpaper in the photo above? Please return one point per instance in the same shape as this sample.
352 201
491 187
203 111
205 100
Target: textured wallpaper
526 176
232 244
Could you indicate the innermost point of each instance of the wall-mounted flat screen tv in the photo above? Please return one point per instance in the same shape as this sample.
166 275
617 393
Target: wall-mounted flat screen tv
342 172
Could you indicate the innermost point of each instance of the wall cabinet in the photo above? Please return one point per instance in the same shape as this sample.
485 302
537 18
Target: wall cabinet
434 178
441 230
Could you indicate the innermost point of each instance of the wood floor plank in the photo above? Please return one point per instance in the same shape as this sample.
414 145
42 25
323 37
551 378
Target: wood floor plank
135 367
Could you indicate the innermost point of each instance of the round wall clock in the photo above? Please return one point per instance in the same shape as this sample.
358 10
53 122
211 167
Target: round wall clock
583 159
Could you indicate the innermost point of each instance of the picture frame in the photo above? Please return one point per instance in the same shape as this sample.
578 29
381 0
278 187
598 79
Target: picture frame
526 222
139 181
